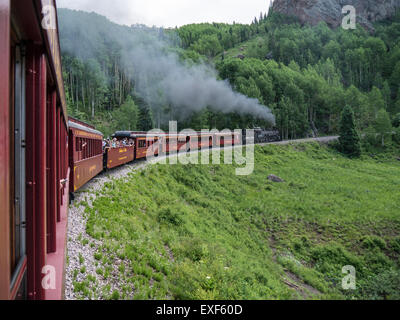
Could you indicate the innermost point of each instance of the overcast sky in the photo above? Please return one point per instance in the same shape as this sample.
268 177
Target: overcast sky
171 13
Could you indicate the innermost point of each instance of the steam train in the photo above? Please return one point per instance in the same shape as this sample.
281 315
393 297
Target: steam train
87 157
46 155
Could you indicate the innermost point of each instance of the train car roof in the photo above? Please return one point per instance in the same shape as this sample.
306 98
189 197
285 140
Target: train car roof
78 126
134 134
28 17
131 134
74 120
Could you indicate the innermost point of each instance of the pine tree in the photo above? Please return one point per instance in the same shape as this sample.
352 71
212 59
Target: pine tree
349 138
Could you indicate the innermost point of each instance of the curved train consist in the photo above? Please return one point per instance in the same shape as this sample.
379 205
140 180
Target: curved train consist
46 155
87 159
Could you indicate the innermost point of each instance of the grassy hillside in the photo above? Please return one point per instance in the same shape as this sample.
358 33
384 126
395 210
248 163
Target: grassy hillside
201 232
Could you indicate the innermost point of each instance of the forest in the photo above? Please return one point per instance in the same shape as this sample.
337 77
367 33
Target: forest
306 75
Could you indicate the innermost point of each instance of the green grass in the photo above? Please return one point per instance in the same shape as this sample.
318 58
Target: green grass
201 232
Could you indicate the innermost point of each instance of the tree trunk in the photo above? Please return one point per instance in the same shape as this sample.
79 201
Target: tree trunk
71 88
93 104
77 96
83 95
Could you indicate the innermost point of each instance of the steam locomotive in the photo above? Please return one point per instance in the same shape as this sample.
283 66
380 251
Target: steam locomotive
261 136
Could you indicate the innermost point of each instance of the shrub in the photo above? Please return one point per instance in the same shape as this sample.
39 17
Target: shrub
371 242
384 286
395 244
115 295
194 249
170 216
334 257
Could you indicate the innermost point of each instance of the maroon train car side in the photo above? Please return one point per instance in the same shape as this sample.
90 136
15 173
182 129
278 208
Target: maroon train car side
85 153
34 152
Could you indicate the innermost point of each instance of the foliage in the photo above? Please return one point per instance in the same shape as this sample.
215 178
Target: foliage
126 117
305 74
396 121
383 126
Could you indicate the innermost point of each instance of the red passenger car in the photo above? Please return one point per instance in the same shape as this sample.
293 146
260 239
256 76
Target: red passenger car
142 143
227 139
115 157
85 153
34 152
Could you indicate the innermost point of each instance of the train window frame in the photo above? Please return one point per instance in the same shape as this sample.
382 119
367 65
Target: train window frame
78 144
142 144
18 196
90 148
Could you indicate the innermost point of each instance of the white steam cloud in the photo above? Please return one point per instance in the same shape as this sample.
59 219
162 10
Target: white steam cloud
160 77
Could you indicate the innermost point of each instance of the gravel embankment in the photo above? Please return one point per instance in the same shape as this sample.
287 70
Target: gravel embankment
81 247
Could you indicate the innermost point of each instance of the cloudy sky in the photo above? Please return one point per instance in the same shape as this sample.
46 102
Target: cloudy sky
171 13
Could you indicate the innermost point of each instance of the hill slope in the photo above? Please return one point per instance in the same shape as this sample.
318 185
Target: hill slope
200 232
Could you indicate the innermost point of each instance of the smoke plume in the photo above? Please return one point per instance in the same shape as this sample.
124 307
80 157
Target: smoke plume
166 83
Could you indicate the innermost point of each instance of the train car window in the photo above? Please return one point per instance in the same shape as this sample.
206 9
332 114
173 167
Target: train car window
142 143
17 152
82 148
78 144
85 146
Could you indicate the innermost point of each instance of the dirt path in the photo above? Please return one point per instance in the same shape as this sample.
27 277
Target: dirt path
81 248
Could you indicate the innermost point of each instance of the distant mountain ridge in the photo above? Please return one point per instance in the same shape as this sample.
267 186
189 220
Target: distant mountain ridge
330 11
